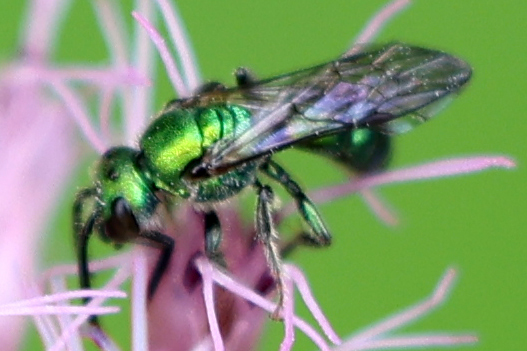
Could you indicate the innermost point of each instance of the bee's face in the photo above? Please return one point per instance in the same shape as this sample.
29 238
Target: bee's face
119 179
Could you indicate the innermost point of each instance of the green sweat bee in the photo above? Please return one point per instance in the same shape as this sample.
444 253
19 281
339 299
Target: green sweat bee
209 147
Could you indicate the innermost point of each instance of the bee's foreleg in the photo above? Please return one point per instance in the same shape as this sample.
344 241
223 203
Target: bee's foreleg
82 232
166 245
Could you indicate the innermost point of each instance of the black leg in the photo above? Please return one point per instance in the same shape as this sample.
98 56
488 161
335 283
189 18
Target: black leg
82 255
244 77
78 211
319 235
166 245
213 236
300 239
82 232
266 234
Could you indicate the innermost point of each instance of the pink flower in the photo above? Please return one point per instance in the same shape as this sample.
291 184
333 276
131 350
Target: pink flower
198 306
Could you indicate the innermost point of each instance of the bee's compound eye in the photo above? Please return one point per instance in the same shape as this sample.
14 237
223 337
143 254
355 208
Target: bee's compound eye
121 226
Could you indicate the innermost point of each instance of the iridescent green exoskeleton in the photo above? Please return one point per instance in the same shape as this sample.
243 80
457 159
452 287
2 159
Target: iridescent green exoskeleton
209 147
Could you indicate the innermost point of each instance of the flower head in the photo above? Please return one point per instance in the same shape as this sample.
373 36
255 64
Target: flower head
199 305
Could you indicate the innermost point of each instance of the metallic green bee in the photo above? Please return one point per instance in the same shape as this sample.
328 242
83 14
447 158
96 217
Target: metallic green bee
209 147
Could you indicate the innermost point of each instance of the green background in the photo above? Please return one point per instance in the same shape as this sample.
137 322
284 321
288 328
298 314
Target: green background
476 223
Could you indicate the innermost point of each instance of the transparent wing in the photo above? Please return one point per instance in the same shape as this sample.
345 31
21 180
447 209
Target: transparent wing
391 89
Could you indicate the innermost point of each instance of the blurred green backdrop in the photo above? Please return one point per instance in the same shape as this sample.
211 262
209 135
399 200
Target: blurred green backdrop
476 223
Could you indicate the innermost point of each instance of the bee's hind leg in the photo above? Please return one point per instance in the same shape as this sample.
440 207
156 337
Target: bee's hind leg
266 234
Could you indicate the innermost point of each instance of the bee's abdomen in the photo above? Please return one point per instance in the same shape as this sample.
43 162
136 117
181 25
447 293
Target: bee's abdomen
221 123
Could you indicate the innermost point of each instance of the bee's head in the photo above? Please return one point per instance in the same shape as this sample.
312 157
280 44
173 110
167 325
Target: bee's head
124 192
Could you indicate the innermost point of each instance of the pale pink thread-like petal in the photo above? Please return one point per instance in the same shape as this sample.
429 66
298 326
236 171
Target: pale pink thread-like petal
113 30
78 111
288 309
208 295
60 272
416 341
112 262
298 277
55 310
101 339
139 281
159 42
45 330
121 276
239 289
105 110
134 99
103 77
435 169
378 21
74 343
60 297
441 168
372 337
181 41
138 104
45 17
438 296
379 207
45 327
42 314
